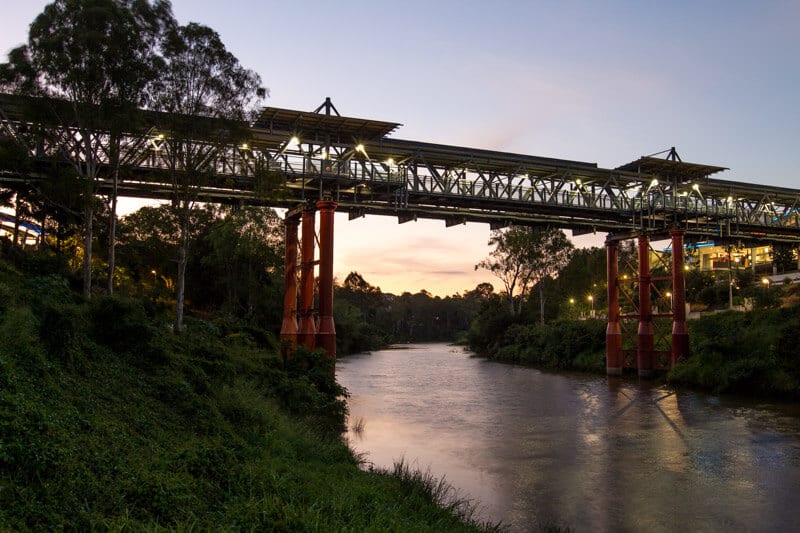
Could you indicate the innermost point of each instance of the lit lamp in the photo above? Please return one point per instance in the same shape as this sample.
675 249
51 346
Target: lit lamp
591 302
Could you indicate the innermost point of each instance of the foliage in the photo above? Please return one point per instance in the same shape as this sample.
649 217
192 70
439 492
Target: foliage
487 328
367 318
98 57
241 265
754 352
523 257
237 270
204 93
213 434
566 344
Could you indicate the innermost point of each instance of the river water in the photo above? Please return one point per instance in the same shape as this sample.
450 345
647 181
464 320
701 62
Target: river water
587 452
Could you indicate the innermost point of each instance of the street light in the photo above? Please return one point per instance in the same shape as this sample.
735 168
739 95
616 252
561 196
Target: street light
591 302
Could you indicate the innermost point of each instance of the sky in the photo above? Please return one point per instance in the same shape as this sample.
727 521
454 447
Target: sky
602 82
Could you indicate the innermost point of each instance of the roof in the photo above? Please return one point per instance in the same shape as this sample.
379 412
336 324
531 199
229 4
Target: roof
456 156
299 122
670 168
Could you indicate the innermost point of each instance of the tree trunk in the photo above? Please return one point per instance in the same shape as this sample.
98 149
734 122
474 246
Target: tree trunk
112 232
87 250
181 284
42 232
16 219
541 303
89 216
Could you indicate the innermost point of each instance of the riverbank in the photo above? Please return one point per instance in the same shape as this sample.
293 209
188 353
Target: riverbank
752 353
109 421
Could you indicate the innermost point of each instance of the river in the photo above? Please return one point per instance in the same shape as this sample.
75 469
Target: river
587 452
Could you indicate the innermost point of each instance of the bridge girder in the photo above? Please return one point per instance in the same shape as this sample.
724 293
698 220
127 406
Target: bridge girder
281 166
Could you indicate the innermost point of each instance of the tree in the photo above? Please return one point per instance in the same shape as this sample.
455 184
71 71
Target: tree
523 257
149 239
242 264
783 257
97 55
206 94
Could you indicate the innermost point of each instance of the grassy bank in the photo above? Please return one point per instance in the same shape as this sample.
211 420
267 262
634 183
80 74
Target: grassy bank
109 421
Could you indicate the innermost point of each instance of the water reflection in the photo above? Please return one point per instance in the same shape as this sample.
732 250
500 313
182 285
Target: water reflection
589 452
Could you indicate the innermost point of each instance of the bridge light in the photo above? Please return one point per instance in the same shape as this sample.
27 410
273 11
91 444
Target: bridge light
157 141
696 187
244 146
578 182
294 141
730 199
654 183
390 161
360 148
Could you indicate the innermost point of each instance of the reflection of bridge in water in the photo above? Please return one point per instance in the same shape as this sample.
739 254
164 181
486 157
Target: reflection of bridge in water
309 161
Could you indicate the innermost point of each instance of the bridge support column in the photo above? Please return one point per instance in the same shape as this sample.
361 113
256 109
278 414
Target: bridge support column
614 362
308 327
289 324
680 334
645 337
326 334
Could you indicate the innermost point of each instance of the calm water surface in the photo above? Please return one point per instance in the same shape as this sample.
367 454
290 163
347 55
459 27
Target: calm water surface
588 452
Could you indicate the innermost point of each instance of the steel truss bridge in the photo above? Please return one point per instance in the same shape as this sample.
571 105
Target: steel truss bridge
287 157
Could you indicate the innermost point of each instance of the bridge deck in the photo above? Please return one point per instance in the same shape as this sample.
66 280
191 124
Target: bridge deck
290 156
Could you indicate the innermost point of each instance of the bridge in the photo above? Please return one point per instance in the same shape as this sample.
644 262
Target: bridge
323 161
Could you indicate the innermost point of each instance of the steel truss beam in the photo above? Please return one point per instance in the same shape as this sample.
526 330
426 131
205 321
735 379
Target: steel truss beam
412 180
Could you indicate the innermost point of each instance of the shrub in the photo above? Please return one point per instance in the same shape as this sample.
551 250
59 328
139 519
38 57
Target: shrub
120 324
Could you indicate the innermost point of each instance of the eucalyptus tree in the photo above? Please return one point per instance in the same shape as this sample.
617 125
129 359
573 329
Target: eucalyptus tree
523 257
206 97
93 60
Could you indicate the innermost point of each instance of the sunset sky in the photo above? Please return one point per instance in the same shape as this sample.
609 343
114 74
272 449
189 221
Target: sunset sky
603 82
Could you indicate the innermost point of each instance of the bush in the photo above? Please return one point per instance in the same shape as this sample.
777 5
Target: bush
120 324
565 344
755 352
63 330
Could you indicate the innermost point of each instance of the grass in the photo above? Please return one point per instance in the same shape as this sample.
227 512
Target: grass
108 421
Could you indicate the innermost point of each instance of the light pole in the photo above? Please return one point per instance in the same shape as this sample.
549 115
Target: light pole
591 302
669 296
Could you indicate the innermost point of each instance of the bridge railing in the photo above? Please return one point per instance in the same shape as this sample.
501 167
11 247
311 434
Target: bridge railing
237 168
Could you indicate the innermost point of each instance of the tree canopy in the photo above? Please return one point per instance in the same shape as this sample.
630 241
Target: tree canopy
523 257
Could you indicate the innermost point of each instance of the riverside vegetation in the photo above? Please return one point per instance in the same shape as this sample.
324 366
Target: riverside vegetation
108 420
754 352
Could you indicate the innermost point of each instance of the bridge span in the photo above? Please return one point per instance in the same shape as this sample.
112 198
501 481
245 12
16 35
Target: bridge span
322 161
